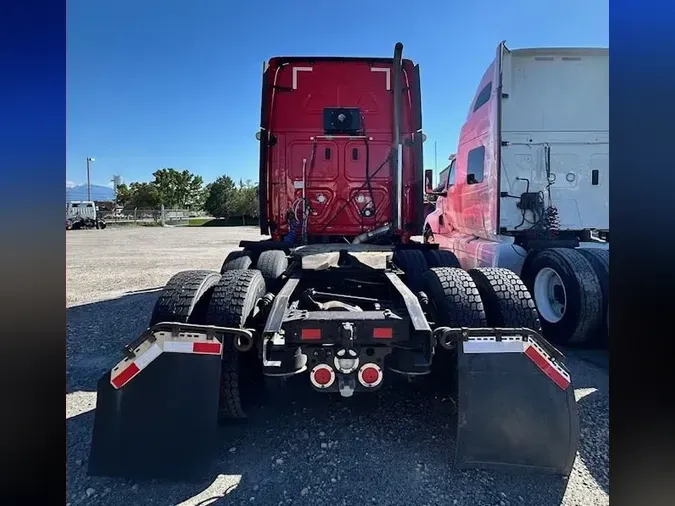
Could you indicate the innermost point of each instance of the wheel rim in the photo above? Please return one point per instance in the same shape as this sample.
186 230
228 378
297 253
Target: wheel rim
550 295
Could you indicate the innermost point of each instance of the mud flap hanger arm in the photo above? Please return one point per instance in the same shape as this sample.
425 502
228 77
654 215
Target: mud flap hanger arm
448 336
176 328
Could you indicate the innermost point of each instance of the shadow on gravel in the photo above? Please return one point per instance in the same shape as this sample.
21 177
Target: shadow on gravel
591 383
599 358
97 332
394 447
594 441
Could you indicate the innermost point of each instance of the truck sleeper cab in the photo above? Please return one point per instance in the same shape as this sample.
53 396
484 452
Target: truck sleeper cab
327 165
531 181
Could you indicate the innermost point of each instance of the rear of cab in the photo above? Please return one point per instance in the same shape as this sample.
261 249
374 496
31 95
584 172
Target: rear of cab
345 177
555 116
539 122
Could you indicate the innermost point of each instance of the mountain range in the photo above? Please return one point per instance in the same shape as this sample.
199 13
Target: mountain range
98 192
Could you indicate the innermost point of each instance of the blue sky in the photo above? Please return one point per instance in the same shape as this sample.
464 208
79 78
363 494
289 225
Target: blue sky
176 83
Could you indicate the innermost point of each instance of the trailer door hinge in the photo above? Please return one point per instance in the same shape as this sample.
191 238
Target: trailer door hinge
505 95
505 143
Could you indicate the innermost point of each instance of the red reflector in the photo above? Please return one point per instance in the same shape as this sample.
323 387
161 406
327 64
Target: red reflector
370 375
382 333
311 334
546 368
210 348
126 375
322 376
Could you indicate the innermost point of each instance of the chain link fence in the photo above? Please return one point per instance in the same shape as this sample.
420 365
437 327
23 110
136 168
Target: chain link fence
150 216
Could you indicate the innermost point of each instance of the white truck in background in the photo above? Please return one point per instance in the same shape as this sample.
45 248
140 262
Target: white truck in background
82 214
529 187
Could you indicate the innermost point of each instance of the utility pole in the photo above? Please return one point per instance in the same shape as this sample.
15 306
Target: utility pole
435 157
89 159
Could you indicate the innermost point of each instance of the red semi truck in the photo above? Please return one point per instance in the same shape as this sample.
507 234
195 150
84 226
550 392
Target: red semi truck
340 295
341 174
529 188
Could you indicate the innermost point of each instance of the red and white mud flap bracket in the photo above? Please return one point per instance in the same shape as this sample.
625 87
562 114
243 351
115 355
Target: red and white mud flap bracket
156 410
516 405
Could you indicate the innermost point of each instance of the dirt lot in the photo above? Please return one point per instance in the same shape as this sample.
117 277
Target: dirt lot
391 448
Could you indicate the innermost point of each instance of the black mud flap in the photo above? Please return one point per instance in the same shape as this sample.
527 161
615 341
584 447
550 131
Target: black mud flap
516 408
162 424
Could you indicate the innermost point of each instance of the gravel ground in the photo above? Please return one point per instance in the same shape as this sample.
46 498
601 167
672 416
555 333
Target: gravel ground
391 448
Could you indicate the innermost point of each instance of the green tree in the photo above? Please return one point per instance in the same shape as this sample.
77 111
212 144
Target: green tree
246 201
180 189
221 199
123 195
144 195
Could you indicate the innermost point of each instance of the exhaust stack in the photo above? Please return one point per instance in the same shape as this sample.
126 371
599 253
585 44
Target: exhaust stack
398 147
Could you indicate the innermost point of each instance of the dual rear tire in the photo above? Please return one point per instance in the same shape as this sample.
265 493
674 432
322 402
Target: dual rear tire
482 297
571 291
271 263
227 300
416 263
478 298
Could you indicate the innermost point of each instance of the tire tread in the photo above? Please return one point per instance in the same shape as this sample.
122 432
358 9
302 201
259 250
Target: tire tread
237 260
231 304
456 297
599 260
181 295
507 300
584 286
414 264
442 258
272 264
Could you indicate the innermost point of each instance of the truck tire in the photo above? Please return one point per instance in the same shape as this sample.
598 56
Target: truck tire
442 258
413 263
507 301
567 294
185 297
234 299
599 260
455 297
237 260
272 264
102 225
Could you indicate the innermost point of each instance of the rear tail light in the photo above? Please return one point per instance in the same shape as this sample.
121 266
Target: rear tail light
370 375
310 334
322 376
382 333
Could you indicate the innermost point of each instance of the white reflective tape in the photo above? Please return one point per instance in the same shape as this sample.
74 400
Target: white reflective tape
388 74
178 346
494 346
295 74
143 360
